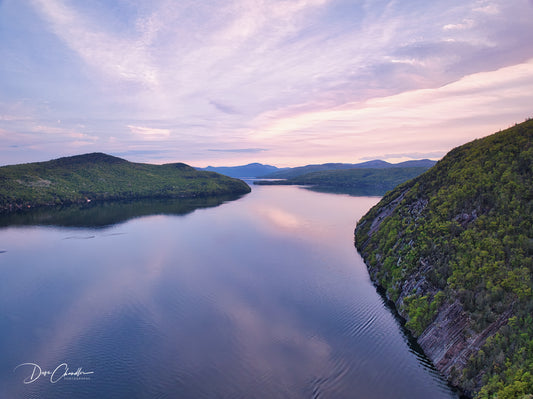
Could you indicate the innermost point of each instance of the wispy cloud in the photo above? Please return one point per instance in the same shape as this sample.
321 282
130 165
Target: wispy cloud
240 150
465 24
125 58
227 109
149 133
406 155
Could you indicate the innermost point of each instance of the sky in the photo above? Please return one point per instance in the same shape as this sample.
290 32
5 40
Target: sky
282 82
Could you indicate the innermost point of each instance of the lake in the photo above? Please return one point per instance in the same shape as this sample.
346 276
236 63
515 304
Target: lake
260 297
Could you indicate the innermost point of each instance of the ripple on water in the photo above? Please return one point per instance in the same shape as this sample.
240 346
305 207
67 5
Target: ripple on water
79 237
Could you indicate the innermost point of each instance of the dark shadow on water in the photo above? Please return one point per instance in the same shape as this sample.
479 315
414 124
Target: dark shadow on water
414 347
108 213
353 191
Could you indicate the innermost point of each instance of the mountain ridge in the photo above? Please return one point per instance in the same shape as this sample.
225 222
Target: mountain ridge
258 170
374 164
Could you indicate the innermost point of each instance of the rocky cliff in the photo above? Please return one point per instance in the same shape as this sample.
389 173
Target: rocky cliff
453 249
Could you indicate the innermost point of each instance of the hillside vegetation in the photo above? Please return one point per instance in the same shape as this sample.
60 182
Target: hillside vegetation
366 181
97 176
453 249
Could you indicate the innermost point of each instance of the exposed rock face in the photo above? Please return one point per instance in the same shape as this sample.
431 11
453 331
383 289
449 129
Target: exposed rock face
444 339
449 341
384 212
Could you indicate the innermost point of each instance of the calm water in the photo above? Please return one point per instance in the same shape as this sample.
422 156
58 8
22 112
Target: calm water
261 297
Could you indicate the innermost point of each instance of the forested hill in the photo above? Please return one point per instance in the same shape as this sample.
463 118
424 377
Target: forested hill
360 181
290 173
453 248
98 176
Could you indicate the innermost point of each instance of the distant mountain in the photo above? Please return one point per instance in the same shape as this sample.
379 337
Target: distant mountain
97 176
356 181
251 170
290 173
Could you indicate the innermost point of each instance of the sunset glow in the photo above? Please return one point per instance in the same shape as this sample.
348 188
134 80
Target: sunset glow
281 82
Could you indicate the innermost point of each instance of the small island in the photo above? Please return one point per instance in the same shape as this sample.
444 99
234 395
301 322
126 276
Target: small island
99 177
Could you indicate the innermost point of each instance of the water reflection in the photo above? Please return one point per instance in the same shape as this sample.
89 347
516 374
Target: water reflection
102 214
